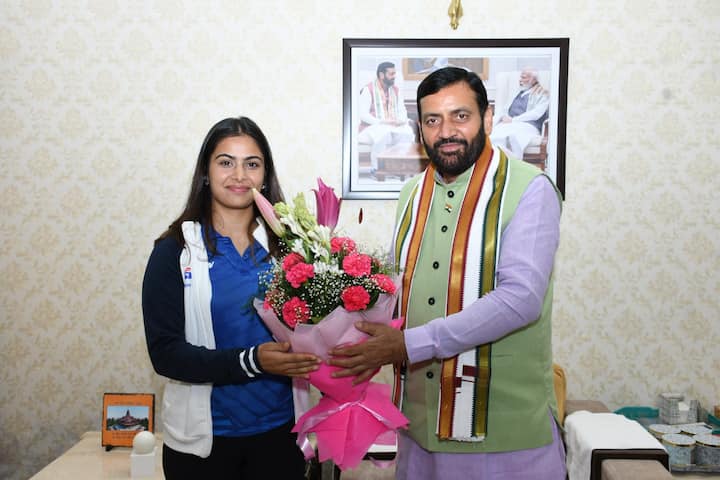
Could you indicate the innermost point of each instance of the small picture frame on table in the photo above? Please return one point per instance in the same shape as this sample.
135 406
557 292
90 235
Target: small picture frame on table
124 415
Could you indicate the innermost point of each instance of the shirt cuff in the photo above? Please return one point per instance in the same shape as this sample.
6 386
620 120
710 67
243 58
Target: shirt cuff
419 344
249 362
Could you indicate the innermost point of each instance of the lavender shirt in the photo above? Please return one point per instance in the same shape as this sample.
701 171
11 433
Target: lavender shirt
527 253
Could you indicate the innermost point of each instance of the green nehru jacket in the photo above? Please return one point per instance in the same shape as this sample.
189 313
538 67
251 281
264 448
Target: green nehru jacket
521 384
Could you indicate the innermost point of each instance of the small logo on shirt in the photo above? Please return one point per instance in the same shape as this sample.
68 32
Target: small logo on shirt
187 276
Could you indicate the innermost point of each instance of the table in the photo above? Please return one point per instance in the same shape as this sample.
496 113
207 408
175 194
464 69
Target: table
87 459
401 160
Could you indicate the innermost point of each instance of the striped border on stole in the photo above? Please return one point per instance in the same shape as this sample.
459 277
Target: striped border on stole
465 380
412 221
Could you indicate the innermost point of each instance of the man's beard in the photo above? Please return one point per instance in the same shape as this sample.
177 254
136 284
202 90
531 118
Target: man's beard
459 161
526 85
388 82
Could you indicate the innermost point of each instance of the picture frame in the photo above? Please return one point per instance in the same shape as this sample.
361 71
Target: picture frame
377 161
124 415
415 68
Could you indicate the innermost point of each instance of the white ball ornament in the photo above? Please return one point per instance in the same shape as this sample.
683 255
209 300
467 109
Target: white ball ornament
143 443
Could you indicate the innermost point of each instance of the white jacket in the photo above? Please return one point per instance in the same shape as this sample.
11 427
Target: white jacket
186 412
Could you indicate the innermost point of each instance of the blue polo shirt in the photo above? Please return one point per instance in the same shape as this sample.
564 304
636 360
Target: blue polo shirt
258 404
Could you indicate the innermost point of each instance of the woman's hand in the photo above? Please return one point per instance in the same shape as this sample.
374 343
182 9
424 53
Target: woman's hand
275 358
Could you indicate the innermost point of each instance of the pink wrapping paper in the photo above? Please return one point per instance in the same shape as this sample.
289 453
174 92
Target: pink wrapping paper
348 419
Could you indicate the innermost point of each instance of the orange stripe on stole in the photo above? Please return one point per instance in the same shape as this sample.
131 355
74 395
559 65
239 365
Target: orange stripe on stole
417 236
412 256
456 285
490 239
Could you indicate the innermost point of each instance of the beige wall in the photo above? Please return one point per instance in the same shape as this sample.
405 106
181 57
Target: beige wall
102 111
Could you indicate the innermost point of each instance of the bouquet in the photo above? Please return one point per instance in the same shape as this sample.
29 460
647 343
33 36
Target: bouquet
315 292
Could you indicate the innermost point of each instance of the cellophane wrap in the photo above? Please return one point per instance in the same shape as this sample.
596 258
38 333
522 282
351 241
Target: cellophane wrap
348 419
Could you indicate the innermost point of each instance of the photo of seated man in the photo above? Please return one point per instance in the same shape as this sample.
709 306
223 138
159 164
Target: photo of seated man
383 117
520 119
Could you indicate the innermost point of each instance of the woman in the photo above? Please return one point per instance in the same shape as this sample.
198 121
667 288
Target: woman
227 407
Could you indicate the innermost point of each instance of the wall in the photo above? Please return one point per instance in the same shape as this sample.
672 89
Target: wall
102 112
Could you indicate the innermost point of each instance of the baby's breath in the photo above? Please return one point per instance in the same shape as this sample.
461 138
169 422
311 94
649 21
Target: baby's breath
323 288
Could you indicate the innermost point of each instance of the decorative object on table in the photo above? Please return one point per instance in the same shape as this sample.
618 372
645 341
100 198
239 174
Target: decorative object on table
142 458
694 429
660 429
703 425
124 415
707 449
675 409
679 447
143 443
637 412
317 291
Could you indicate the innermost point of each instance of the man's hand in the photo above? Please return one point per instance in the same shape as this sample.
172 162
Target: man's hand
274 358
386 345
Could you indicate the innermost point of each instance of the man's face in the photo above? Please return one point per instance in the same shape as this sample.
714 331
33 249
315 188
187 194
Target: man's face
452 129
527 80
388 77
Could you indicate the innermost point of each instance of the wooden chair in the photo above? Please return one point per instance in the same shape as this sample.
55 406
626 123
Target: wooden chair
536 152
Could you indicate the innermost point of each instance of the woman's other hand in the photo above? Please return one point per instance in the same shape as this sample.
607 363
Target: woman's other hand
276 358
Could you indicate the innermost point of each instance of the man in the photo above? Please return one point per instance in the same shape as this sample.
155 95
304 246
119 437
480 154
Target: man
383 116
475 238
516 123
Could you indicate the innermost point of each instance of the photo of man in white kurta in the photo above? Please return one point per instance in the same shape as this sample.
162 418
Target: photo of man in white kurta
383 116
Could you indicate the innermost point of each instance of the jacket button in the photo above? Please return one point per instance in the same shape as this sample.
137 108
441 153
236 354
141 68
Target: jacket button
436 265
443 228
431 301
451 194
429 374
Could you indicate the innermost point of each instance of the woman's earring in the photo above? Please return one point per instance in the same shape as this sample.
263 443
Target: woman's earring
262 189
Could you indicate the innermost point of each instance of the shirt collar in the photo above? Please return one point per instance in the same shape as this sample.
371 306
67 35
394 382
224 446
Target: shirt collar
260 234
461 179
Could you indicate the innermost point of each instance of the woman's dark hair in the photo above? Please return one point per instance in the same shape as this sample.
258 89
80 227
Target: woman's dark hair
198 207
447 76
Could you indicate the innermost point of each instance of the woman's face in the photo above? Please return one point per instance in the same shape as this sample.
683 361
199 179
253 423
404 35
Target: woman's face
236 166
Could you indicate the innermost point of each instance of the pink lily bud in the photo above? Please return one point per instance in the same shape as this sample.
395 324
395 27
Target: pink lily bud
328 205
268 213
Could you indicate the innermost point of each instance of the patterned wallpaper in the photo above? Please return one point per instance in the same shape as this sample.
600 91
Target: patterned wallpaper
102 111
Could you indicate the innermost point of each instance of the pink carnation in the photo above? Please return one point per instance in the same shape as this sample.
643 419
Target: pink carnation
384 282
355 298
295 311
338 244
299 273
291 260
357 264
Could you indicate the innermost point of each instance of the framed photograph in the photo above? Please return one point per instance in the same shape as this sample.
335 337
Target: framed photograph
417 68
526 82
124 415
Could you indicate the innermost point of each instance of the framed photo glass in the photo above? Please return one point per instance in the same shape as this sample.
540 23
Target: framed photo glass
526 82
